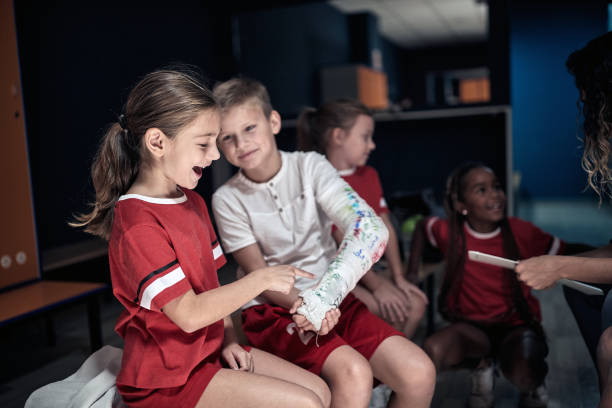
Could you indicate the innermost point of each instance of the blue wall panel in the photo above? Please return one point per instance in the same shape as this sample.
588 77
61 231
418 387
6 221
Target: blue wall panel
546 149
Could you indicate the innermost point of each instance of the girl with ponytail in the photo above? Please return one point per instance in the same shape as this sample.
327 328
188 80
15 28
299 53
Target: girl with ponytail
343 131
494 318
180 348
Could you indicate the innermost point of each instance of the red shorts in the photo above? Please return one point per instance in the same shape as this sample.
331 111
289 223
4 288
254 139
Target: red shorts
271 329
186 395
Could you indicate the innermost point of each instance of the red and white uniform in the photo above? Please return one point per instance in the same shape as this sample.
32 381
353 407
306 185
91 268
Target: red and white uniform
485 289
158 250
366 182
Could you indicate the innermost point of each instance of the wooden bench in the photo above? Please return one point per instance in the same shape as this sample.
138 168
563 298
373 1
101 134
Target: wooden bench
42 297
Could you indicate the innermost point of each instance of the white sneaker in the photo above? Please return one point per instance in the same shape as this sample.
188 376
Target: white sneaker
380 396
483 383
537 398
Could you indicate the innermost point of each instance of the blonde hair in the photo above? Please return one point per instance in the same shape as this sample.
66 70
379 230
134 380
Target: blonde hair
240 90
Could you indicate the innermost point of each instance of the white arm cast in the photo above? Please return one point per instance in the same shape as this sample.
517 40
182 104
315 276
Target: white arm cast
364 242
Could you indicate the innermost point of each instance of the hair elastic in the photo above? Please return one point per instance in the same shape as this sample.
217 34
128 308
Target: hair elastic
122 122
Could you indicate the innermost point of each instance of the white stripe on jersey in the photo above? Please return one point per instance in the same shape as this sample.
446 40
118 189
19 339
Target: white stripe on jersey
430 235
383 203
554 248
160 285
217 252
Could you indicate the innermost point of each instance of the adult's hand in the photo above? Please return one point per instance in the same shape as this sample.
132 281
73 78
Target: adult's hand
541 272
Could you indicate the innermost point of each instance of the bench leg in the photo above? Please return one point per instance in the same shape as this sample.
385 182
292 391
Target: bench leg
95 324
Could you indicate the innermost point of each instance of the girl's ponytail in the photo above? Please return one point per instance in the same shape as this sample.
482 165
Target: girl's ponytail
113 171
315 126
306 141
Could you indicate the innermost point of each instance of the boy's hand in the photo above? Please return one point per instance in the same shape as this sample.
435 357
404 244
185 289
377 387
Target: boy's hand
303 325
237 358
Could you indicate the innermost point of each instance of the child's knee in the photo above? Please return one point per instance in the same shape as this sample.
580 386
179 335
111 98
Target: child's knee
417 308
604 347
323 393
353 372
526 374
310 399
422 371
434 349
358 371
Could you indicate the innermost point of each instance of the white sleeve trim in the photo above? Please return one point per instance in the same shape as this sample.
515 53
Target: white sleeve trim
159 285
554 248
429 228
217 252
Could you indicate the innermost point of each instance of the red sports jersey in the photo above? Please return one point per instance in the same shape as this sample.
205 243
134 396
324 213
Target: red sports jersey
158 250
366 183
485 291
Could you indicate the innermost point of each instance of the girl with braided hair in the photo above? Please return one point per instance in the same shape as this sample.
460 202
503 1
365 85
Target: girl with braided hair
494 319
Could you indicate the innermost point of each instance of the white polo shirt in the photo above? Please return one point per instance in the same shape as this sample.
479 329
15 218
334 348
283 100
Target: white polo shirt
289 216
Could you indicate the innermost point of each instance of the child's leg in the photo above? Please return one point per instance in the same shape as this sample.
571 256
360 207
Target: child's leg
604 365
272 366
453 344
274 383
417 310
349 377
407 370
346 371
522 358
362 293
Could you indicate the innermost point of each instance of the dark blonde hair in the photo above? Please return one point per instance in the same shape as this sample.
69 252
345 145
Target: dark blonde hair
591 67
240 90
164 99
315 125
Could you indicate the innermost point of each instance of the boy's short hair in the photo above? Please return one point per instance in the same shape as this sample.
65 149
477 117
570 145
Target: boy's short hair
239 90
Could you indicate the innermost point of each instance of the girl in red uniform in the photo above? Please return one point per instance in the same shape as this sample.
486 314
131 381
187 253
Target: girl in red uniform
180 346
343 131
493 317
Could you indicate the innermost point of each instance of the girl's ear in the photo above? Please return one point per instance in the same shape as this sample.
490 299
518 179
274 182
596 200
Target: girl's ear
275 122
460 207
337 136
155 141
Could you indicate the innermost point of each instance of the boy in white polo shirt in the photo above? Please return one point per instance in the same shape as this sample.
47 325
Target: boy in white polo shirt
279 208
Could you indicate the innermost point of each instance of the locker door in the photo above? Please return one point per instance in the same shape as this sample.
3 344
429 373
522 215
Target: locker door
18 251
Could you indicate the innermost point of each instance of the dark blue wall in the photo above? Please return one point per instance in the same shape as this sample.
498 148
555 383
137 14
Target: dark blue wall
78 62
546 150
285 48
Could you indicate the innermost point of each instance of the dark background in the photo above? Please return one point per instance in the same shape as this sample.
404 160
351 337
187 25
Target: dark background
80 59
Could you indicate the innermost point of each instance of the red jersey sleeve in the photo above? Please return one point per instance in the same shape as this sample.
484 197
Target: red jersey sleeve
150 274
533 241
437 232
380 205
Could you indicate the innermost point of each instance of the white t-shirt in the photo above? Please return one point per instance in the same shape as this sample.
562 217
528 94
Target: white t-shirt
289 216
